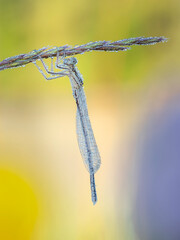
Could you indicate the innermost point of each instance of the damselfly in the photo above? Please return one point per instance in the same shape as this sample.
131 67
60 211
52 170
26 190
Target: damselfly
85 136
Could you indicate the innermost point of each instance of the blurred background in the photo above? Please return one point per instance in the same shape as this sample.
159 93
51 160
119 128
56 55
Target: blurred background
133 99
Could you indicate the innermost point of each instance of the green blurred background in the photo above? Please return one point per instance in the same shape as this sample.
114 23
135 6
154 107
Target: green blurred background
44 186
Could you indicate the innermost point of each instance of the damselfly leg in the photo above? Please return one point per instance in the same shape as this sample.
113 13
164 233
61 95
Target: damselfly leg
52 73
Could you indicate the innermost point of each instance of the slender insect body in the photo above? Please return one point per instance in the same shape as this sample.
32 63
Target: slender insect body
85 135
86 140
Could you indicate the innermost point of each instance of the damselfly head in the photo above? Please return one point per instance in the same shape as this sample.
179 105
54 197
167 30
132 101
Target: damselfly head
70 61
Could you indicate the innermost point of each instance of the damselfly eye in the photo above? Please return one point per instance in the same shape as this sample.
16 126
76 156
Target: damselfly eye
74 60
70 61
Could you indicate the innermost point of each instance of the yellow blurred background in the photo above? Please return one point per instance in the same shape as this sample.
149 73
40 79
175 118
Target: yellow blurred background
44 186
